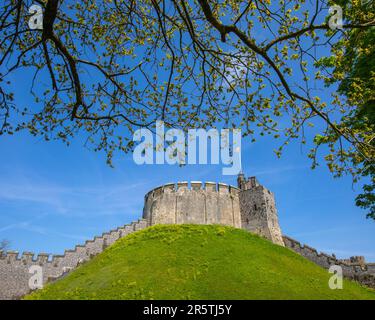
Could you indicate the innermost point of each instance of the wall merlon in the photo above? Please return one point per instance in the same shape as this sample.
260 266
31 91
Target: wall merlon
325 255
299 245
121 229
292 242
81 250
332 260
223 188
98 238
128 229
140 224
338 262
27 257
182 185
114 233
42 258
136 226
79 247
289 238
210 186
196 185
121 232
157 192
311 249
132 225
12 256
169 187
149 194
56 260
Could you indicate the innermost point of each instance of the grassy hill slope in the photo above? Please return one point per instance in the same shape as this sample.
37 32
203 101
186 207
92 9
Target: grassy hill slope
198 262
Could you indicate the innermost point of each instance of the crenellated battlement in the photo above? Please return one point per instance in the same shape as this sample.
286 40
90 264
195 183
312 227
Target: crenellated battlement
193 202
215 203
14 268
250 206
183 186
362 272
26 257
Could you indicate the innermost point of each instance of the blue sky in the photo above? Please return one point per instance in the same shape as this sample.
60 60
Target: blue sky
53 197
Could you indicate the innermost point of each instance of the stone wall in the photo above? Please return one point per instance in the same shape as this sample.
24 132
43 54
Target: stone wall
259 215
197 203
363 273
252 207
14 268
15 276
355 260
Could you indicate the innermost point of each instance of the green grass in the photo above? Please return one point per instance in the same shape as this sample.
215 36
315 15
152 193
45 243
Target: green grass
198 262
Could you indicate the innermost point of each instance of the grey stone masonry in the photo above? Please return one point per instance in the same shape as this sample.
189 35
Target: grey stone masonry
355 268
250 206
258 210
199 203
14 268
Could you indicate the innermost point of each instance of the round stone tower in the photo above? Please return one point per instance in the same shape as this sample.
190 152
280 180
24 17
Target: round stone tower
250 206
197 203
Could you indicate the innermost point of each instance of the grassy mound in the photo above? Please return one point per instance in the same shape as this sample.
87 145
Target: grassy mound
198 262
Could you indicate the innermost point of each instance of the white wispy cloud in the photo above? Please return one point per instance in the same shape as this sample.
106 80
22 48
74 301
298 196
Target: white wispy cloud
30 227
77 200
275 170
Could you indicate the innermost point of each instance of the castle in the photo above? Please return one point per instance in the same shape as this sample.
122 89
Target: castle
249 206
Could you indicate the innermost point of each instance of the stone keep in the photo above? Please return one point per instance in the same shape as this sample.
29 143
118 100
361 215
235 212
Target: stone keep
250 206
258 210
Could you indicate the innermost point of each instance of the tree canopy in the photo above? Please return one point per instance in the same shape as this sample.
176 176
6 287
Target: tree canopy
109 67
355 73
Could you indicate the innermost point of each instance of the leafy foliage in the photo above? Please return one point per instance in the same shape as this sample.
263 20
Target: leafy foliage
353 64
105 68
